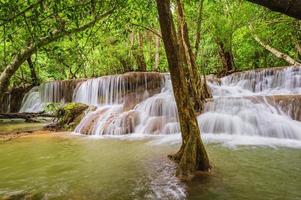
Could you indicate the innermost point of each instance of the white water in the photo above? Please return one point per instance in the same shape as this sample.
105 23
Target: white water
31 101
240 109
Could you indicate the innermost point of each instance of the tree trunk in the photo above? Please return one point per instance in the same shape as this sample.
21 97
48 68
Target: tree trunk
142 66
157 54
289 7
198 88
138 54
226 57
192 155
276 52
34 78
31 48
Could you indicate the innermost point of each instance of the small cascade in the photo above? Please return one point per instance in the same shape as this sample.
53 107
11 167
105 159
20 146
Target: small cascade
56 91
158 114
252 116
264 81
115 97
256 103
31 101
128 88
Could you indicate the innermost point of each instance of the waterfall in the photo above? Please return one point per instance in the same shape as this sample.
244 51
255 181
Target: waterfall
256 103
31 101
262 103
264 82
55 91
116 98
247 116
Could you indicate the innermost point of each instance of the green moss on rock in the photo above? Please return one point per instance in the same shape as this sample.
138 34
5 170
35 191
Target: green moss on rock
69 116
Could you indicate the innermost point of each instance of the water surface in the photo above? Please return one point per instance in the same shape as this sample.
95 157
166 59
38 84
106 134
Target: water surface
88 168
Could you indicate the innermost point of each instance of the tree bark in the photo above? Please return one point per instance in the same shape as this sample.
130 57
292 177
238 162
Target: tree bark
192 155
157 53
276 52
34 78
288 7
198 88
32 47
226 57
138 54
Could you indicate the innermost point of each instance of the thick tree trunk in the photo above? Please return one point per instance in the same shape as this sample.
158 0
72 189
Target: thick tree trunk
289 7
198 88
192 155
226 57
31 48
276 52
157 53
34 78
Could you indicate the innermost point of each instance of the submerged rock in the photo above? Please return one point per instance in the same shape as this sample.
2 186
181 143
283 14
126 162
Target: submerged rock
21 195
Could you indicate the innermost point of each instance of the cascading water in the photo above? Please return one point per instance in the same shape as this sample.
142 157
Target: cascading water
31 101
56 91
116 97
245 104
263 103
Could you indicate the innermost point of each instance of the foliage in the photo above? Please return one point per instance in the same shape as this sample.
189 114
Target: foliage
106 48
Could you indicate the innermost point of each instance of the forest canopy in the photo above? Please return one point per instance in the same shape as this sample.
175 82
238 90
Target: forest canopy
124 36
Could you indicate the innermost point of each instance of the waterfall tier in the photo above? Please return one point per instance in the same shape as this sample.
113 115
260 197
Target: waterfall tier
254 103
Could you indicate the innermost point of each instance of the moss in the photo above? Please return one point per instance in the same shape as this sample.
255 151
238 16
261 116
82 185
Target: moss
68 116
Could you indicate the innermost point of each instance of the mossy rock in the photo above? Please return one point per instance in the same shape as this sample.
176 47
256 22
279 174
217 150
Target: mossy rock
69 116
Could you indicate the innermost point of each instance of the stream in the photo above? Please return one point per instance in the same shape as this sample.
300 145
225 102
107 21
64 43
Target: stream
72 167
251 128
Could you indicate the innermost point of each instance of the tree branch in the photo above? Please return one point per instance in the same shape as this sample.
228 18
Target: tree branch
147 28
288 7
31 48
20 13
276 52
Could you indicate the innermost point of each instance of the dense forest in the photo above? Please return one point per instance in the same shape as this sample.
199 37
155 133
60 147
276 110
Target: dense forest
209 71
91 39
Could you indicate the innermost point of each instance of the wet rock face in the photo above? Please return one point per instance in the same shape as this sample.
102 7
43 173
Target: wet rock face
58 91
109 121
289 104
106 90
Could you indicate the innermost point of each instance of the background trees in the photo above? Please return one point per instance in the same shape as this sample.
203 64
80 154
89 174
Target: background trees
220 29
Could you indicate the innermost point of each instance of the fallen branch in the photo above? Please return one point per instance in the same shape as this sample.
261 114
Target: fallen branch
26 116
